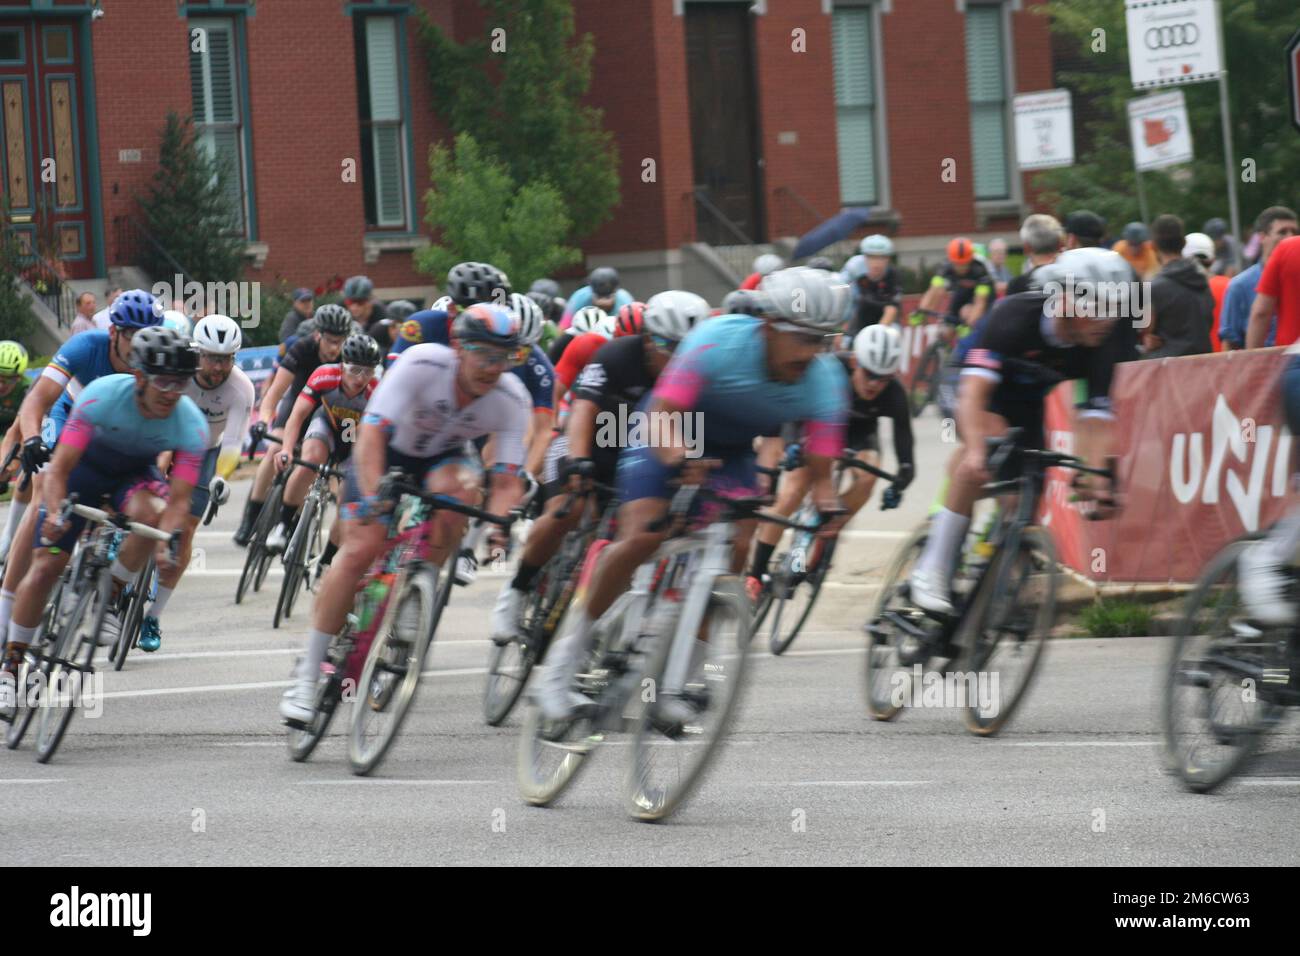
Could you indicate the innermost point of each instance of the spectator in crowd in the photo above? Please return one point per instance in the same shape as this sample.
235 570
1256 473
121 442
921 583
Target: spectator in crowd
998 264
1273 225
1135 246
359 297
85 320
1181 308
304 304
1041 235
1083 229
1227 248
1278 293
1200 248
763 265
101 317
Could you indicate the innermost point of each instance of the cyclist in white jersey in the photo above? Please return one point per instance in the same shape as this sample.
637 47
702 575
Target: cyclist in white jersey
428 407
225 395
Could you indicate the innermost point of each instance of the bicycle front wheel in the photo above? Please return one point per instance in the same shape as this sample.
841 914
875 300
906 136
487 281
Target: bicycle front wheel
794 592
1211 724
133 616
925 383
66 677
511 663
295 562
391 673
896 623
672 749
1005 631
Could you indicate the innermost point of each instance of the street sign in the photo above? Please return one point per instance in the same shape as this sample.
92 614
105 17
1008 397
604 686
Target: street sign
1293 77
1160 132
1044 130
1172 41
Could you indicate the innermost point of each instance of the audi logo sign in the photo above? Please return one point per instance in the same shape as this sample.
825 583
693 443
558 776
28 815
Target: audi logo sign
1179 34
1172 42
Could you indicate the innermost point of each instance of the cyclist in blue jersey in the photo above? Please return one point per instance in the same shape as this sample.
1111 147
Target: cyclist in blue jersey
602 290
84 358
731 380
119 426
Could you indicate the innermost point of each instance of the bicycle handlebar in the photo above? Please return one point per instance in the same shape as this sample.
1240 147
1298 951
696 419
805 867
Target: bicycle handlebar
737 509
324 469
440 502
120 521
573 496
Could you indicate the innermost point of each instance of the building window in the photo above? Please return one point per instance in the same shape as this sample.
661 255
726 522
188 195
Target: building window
218 120
382 102
986 87
852 31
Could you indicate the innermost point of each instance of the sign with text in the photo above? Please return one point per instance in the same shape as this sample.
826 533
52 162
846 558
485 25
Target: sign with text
1044 130
1172 41
1160 131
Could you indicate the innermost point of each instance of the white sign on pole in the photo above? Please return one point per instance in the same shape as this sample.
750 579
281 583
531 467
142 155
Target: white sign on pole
1161 134
1044 130
1172 41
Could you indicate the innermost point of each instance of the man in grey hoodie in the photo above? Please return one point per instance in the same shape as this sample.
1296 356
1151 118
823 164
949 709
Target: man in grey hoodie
1181 307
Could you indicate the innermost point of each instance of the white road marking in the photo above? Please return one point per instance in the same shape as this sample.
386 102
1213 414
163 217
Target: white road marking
1282 782
389 782
863 533
32 780
252 743
851 783
1079 743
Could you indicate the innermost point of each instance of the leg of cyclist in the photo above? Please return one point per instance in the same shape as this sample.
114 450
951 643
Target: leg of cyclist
22 497
544 539
791 491
317 447
20 559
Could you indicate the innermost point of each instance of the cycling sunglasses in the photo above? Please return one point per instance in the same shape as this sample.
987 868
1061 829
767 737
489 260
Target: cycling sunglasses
360 371
171 384
663 344
823 340
491 356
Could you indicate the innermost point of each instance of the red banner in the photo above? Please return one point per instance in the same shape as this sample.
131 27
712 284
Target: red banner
1205 458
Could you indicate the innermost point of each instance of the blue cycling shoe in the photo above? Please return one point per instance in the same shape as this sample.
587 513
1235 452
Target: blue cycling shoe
150 634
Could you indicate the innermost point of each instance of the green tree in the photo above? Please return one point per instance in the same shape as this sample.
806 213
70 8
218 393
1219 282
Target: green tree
188 212
480 213
16 318
523 103
1254 35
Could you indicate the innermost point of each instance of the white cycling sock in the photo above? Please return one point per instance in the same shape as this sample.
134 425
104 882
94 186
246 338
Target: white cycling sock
566 655
16 510
160 602
120 572
318 642
947 529
6 610
21 635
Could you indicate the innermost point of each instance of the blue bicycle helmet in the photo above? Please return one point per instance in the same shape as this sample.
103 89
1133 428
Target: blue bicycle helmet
136 309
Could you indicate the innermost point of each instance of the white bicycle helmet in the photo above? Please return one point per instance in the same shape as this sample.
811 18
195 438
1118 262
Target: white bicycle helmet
879 349
1107 272
219 334
593 319
812 298
445 304
673 314
876 245
177 321
768 263
529 315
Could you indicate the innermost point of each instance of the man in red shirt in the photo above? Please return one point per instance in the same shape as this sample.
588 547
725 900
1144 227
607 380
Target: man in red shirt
1278 293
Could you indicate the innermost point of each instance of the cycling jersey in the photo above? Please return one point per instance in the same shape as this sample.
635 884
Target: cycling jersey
585 297
301 360
227 407
416 403
1018 331
324 391
432 325
9 403
870 296
978 278
81 360
720 371
865 415
616 379
577 355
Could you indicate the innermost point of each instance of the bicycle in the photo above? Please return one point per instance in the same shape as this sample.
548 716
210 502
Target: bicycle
257 560
648 641
511 661
1004 595
69 661
800 571
1227 681
303 552
924 387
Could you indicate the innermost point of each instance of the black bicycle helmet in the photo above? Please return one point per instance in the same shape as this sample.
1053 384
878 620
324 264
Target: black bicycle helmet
547 287
362 350
472 282
550 306
358 289
603 281
333 320
401 310
158 350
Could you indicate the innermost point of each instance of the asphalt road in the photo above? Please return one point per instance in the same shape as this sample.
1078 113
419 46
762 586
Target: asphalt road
187 763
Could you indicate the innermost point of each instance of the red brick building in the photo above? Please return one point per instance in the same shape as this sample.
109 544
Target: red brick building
755 119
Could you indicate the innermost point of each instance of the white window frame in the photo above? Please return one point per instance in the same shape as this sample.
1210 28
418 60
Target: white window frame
880 126
1015 195
403 124
203 128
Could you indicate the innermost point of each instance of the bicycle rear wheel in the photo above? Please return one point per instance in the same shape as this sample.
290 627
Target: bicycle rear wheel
669 759
1005 630
895 621
133 615
1211 725
69 668
295 562
511 663
266 523
925 383
794 592
329 691
31 675
391 674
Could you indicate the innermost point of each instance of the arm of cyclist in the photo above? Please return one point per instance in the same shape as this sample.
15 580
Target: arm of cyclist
274 392
980 304
12 437
900 414
934 294
233 437
540 440
186 467
368 464
37 404
72 445
303 409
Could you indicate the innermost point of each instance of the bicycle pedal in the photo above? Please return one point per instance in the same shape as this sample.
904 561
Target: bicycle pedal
295 724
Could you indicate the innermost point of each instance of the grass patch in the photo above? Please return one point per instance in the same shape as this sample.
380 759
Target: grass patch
1117 619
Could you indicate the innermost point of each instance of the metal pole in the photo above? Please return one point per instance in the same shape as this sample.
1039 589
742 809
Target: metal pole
1229 161
1142 196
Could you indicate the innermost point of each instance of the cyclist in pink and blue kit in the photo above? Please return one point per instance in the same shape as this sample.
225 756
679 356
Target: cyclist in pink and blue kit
731 380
